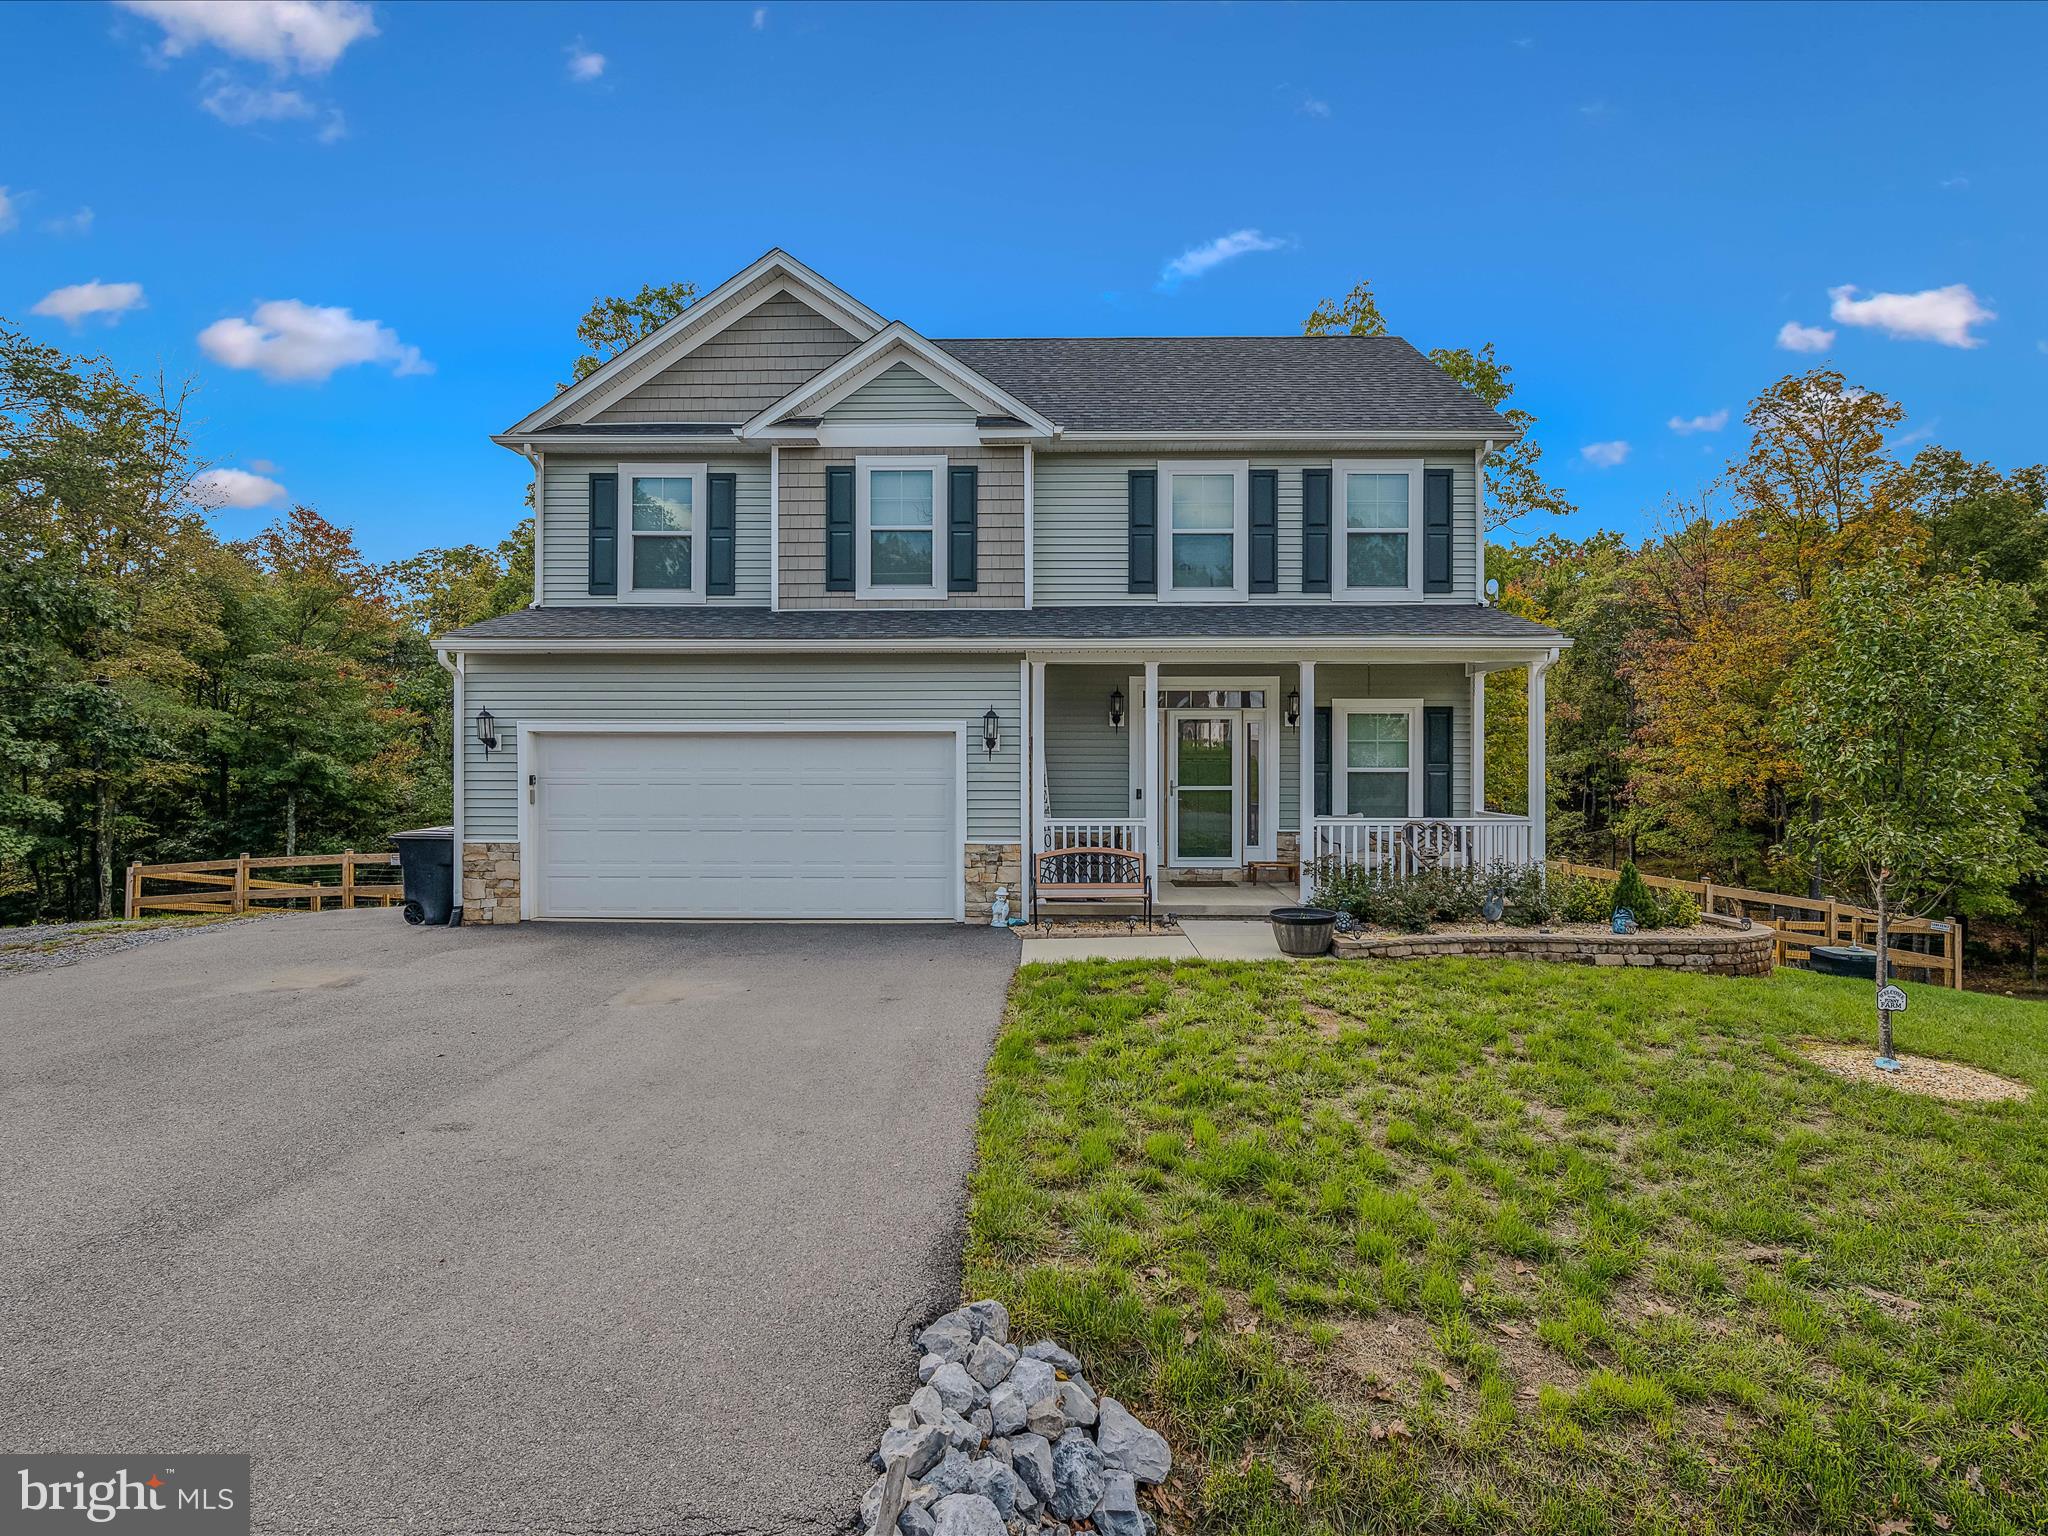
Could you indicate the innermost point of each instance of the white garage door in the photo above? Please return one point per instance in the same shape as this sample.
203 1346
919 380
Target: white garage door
745 824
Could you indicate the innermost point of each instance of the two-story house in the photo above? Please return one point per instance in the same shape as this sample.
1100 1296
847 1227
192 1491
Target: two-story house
832 620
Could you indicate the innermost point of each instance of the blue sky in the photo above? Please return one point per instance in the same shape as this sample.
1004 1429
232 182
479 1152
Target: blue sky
1631 203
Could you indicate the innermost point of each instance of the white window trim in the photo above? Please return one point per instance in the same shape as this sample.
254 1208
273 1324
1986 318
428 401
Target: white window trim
1340 767
700 513
1239 471
863 548
1340 557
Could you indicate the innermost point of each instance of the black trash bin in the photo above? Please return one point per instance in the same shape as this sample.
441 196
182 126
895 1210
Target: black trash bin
1847 960
426 862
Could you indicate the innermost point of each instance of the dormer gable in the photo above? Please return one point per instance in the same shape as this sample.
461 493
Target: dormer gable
749 341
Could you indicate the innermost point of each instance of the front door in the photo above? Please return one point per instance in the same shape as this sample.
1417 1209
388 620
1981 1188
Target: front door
1204 769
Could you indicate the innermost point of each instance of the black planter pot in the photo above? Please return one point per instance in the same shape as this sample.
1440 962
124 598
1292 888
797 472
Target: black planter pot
1303 931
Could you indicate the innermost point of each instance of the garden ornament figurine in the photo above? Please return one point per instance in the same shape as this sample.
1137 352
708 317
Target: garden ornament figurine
1624 920
999 909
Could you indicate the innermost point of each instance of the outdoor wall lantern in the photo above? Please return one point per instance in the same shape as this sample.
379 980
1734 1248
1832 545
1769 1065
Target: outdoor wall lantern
991 732
1116 709
1294 706
487 731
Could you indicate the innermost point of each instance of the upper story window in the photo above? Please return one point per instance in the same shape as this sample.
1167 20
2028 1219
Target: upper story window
665 532
1378 740
1202 550
900 505
1379 502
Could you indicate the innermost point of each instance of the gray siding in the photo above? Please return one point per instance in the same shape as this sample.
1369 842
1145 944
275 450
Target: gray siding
1441 684
659 688
565 530
741 371
1000 535
1079 527
1088 764
900 394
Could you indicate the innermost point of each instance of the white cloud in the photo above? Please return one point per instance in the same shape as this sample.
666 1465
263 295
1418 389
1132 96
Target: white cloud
216 489
240 105
290 342
335 129
79 223
1196 260
1952 184
8 217
1605 455
1315 106
263 466
1917 435
760 18
306 35
79 302
584 64
1944 315
1713 421
1794 337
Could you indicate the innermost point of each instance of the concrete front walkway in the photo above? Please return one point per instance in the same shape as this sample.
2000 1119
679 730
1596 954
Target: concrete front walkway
1199 939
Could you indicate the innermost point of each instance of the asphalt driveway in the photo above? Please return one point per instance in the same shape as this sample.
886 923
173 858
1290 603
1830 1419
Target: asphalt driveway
593 1228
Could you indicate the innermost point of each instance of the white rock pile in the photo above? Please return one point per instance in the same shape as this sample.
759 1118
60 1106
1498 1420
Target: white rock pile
1001 1441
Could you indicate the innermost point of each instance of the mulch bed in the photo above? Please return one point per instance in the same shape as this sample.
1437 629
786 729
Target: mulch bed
1949 1080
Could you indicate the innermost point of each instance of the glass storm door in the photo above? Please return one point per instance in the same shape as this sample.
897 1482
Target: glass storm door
1204 769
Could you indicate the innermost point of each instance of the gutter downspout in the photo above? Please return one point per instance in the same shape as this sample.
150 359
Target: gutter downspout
455 670
1479 458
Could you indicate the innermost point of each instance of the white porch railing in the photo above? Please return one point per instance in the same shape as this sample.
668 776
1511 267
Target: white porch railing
1055 833
1424 843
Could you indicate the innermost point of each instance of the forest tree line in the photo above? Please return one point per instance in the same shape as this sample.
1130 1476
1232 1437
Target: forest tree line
168 694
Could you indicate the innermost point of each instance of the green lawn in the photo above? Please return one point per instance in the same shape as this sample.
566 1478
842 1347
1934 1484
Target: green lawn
1459 1245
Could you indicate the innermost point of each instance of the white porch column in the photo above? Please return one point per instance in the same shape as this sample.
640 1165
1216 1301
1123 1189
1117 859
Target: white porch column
1478 744
1537 740
1306 816
1154 842
1027 812
1040 795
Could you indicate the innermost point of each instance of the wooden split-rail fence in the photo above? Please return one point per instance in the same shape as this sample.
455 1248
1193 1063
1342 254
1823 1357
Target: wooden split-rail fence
1803 923
242 884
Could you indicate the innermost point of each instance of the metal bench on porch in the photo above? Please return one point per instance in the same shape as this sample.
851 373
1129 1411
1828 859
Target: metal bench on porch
1090 874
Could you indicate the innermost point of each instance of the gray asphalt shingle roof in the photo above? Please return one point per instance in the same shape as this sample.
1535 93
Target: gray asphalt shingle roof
1229 383
1138 621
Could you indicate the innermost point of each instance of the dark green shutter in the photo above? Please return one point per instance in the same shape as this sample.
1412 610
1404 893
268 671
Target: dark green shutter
1315 530
1142 499
1436 531
1436 760
719 535
839 528
963 489
604 535
1265 529
1323 761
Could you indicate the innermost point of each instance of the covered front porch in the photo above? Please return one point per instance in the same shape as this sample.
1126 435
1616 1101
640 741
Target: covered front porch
1204 762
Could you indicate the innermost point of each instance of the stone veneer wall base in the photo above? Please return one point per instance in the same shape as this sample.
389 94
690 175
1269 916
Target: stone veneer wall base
490 883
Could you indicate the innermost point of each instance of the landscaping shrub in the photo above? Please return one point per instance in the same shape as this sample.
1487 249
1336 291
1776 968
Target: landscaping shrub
1633 896
1579 899
1411 902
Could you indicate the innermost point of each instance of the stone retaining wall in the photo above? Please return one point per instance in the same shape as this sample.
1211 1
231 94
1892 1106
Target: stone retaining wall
1733 953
